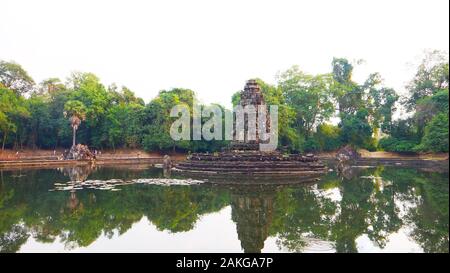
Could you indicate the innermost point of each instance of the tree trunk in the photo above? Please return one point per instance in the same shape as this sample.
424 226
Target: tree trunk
4 141
74 134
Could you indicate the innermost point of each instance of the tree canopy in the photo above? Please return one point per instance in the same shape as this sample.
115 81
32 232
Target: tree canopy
316 112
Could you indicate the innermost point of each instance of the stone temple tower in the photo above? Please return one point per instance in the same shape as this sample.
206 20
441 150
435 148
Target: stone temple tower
251 96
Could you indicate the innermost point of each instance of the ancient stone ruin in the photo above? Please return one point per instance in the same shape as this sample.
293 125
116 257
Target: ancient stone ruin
245 158
251 96
79 152
345 157
347 153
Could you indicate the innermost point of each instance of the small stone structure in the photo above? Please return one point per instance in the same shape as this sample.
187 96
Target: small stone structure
345 157
347 153
245 158
167 162
79 152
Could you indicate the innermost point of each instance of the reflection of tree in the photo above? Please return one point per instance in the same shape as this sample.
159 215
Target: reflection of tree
79 219
430 218
12 240
300 215
368 206
12 233
174 210
383 216
351 221
427 214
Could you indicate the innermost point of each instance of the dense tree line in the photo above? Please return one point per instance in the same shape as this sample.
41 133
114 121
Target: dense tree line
49 114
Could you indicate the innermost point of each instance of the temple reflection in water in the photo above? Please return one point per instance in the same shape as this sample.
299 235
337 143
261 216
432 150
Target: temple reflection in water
252 212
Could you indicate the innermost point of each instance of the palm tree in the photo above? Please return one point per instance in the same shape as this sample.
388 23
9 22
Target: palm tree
76 111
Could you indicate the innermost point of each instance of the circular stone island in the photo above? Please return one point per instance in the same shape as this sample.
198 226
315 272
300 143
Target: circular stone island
243 165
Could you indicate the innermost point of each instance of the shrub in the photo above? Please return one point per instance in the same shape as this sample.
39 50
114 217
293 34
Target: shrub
311 145
392 144
435 138
328 137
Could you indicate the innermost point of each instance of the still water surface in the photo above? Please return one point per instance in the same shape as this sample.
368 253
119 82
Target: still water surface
137 209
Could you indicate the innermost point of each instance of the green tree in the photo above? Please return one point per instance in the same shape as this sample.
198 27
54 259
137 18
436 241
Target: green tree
39 126
50 86
370 99
123 122
431 77
15 78
356 130
348 94
76 112
158 120
309 97
383 107
328 136
12 108
428 107
435 138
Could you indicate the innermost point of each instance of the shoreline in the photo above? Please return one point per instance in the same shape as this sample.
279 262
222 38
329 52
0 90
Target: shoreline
36 162
49 158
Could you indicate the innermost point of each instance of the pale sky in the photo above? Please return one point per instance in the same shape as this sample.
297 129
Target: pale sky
213 47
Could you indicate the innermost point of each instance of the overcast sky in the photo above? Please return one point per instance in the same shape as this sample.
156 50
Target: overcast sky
213 47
